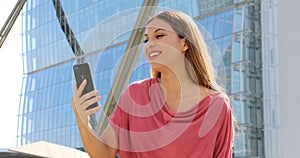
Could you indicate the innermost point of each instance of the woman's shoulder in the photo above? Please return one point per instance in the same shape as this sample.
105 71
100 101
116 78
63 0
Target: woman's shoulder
138 91
141 87
144 84
219 100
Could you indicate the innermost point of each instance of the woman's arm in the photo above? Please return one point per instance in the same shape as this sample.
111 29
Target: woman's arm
224 142
95 147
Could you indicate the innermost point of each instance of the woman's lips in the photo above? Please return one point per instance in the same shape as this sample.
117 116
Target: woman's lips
154 54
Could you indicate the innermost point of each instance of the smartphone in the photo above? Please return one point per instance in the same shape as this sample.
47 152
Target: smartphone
81 72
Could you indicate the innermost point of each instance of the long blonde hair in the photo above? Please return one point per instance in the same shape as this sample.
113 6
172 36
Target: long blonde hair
198 62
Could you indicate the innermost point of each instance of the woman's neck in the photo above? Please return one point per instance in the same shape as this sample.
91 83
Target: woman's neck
176 85
173 83
178 89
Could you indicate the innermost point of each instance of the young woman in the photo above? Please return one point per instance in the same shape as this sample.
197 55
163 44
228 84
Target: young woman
180 112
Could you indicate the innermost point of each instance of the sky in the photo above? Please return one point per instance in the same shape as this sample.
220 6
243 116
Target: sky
11 72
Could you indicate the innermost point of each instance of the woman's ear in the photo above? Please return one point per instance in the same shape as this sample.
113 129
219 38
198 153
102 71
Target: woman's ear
185 45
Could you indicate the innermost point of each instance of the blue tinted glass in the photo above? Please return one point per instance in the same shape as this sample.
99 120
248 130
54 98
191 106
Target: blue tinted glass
219 22
238 20
237 50
236 81
228 21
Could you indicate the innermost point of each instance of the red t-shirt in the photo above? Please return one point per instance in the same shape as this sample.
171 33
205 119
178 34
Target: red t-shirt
146 128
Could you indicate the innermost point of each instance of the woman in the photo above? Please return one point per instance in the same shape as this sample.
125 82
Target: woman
180 112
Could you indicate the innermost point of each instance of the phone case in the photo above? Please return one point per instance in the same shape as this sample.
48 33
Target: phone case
81 72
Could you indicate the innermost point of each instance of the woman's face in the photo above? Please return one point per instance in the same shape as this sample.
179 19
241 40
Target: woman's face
163 48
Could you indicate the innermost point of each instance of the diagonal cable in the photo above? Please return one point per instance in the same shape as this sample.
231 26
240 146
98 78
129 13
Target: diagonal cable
73 43
128 62
65 27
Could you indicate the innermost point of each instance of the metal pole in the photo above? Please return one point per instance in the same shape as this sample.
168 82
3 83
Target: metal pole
128 62
10 21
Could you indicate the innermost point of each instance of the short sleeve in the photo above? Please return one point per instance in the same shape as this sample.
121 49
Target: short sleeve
115 117
118 117
118 120
224 142
129 103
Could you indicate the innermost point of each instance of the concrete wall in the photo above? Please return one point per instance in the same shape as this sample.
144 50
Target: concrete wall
289 76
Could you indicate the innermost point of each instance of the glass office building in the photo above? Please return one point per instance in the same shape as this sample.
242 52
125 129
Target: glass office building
45 111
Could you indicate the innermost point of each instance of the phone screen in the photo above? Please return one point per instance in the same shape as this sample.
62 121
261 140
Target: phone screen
81 72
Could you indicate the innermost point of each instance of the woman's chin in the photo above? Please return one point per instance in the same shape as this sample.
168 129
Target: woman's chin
156 66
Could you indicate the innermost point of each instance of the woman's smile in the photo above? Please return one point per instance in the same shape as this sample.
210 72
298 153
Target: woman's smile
154 54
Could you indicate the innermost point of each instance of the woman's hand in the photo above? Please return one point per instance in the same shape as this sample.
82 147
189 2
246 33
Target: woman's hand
90 139
80 103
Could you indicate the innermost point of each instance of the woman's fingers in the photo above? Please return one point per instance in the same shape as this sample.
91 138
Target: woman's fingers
90 101
94 110
87 96
81 102
78 91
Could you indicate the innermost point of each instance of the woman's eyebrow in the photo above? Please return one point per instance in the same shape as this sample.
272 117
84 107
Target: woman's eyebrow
159 29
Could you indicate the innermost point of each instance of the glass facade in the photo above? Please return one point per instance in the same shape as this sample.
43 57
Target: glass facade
45 111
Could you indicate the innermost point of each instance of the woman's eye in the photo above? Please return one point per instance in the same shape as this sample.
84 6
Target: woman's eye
159 36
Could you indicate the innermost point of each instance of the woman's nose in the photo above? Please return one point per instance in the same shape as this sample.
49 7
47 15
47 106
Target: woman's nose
150 43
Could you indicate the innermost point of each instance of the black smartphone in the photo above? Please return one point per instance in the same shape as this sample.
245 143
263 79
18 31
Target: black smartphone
81 72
